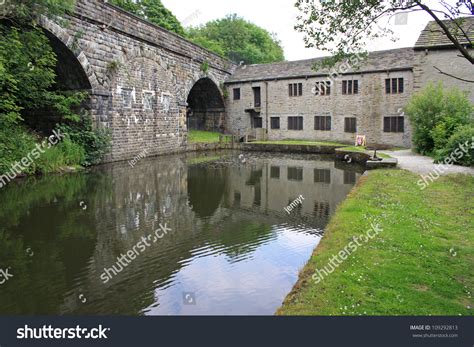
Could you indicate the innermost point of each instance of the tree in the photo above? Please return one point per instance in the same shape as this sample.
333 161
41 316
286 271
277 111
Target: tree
238 40
153 11
344 27
26 11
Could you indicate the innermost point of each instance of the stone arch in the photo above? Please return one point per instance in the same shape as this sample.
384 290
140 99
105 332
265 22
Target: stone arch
66 46
206 107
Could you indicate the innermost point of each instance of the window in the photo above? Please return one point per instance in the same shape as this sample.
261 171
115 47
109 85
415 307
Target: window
295 89
394 124
349 177
322 123
257 123
236 93
257 100
323 88
321 209
322 176
275 172
350 87
394 85
295 123
295 173
350 125
127 98
148 100
275 122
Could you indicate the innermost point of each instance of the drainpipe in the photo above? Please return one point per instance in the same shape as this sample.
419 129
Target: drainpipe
266 110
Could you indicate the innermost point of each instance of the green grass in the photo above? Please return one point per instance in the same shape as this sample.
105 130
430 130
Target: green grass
300 142
199 136
363 150
422 263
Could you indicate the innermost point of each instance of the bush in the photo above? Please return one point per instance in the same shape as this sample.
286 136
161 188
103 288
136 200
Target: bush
95 142
15 143
436 114
65 153
462 141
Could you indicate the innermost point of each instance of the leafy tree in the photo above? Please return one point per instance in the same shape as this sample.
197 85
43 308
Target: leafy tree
238 40
344 27
436 114
26 11
153 11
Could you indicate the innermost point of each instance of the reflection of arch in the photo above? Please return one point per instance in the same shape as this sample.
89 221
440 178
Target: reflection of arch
206 110
205 189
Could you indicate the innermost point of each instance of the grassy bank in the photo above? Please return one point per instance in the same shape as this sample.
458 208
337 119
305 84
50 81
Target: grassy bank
422 263
198 136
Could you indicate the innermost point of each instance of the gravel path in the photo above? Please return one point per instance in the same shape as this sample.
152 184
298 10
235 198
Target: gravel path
424 165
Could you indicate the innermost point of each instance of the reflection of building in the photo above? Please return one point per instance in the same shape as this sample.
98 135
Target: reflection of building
273 184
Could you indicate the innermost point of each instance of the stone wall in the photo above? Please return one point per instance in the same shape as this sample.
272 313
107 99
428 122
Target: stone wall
140 76
448 61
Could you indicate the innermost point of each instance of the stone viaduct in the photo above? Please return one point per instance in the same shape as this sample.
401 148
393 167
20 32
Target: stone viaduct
142 79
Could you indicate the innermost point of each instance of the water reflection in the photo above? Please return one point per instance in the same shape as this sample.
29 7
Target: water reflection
233 249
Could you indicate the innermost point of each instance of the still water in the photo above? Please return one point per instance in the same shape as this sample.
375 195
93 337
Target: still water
229 248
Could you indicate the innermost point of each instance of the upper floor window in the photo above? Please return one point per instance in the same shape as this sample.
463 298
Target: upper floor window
350 87
394 124
236 93
394 85
322 88
295 123
275 172
295 89
257 97
322 176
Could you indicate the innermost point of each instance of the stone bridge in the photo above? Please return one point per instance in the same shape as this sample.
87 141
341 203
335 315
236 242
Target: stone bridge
143 80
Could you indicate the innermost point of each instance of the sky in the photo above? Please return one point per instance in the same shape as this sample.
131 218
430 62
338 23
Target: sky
279 16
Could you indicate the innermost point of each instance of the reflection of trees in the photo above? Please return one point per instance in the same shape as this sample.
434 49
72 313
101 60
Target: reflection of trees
45 238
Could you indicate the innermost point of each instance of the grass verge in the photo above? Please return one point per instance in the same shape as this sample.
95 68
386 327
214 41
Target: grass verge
199 136
422 263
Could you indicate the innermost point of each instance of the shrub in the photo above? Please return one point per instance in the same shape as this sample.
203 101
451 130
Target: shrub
65 153
462 141
15 143
95 142
436 114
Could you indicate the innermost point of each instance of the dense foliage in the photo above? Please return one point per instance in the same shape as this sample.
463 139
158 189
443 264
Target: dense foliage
437 116
238 40
28 84
153 11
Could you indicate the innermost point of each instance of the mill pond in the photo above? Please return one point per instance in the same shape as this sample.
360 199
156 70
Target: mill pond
221 238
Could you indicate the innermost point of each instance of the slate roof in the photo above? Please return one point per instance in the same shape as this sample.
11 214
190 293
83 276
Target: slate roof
390 60
433 36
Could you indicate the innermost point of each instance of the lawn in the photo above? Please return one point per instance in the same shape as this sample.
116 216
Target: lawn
300 142
199 136
422 263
